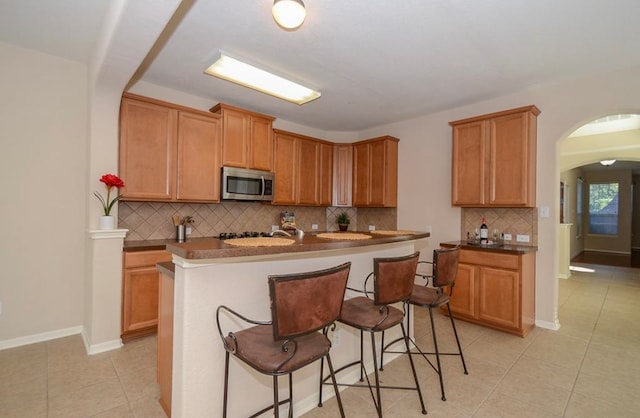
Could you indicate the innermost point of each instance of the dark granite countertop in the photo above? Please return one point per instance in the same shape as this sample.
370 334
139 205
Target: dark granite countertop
203 248
506 248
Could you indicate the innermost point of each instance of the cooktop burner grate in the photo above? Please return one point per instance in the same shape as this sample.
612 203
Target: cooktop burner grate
246 234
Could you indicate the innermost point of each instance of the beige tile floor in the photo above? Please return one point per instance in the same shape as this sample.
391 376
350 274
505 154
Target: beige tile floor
589 368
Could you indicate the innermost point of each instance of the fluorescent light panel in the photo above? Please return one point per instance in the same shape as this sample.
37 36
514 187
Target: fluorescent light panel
236 71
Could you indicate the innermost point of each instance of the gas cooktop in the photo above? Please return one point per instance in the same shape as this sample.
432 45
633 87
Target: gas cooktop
246 234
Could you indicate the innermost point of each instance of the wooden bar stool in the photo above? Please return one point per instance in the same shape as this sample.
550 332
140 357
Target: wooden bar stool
393 280
443 275
301 305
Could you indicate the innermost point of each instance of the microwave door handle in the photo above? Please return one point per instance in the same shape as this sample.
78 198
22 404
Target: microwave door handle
263 185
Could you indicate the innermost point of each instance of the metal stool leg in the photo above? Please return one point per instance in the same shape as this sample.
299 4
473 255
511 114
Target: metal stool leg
226 384
413 368
455 333
437 353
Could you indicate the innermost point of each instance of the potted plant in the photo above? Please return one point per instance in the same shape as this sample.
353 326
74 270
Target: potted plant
343 221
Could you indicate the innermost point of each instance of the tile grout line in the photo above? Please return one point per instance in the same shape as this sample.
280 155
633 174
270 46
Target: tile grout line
575 380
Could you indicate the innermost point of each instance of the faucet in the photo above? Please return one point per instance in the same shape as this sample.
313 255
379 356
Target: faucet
279 232
299 232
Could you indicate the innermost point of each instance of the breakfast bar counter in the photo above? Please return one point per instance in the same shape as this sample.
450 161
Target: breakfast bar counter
210 272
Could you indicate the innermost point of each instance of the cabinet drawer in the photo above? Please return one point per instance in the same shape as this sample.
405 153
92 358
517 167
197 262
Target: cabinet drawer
486 258
145 258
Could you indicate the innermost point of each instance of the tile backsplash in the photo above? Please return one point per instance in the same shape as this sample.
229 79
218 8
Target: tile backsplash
514 221
152 220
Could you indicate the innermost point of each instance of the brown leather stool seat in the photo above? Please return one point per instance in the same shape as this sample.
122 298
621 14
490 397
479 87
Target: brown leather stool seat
304 307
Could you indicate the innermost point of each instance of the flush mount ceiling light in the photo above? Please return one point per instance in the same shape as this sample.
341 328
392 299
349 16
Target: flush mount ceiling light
234 70
289 14
607 162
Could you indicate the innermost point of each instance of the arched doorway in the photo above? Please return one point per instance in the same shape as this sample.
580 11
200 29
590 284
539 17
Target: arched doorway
583 173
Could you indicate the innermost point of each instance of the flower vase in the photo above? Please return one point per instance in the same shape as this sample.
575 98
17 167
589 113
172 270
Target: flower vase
107 222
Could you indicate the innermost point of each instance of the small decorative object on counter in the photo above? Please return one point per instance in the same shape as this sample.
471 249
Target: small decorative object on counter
287 221
181 226
484 232
110 180
343 221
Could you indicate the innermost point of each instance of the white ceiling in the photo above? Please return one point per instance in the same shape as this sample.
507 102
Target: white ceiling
375 61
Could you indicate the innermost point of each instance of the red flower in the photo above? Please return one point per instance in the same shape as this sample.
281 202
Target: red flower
111 181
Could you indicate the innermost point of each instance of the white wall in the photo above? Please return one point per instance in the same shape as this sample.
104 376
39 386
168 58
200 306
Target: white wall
43 114
425 162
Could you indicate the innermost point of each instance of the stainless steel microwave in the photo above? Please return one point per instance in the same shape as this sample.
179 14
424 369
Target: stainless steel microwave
244 184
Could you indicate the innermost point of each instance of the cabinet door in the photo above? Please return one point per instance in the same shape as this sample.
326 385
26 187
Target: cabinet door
147 150
261 144
325 174
499 297
377 160
235 138
361 175
510 160
469 154
342 174
463 297
308 163
140 298
199 143
284 169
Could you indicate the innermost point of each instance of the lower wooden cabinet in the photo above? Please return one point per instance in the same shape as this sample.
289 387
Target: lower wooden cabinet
496 290
140 281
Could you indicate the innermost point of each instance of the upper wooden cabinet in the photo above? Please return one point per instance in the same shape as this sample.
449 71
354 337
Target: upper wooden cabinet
303 169
375 172
247 138
342 175
168 152
494 159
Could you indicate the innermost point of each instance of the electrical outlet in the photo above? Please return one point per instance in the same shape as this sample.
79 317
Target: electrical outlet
372 227
522 238
428 229
544 211
507 237
188 230
336 337
274 228
314 226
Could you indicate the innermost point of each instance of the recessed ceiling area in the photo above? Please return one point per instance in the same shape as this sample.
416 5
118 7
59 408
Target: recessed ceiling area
375 62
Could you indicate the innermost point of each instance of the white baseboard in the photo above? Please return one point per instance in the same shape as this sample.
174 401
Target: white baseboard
37 338
60 333
100 348
554 326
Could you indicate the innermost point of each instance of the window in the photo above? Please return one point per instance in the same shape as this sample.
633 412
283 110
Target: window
579 204
603 208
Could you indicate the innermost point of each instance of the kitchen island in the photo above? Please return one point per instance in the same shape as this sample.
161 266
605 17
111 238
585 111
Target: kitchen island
209 272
